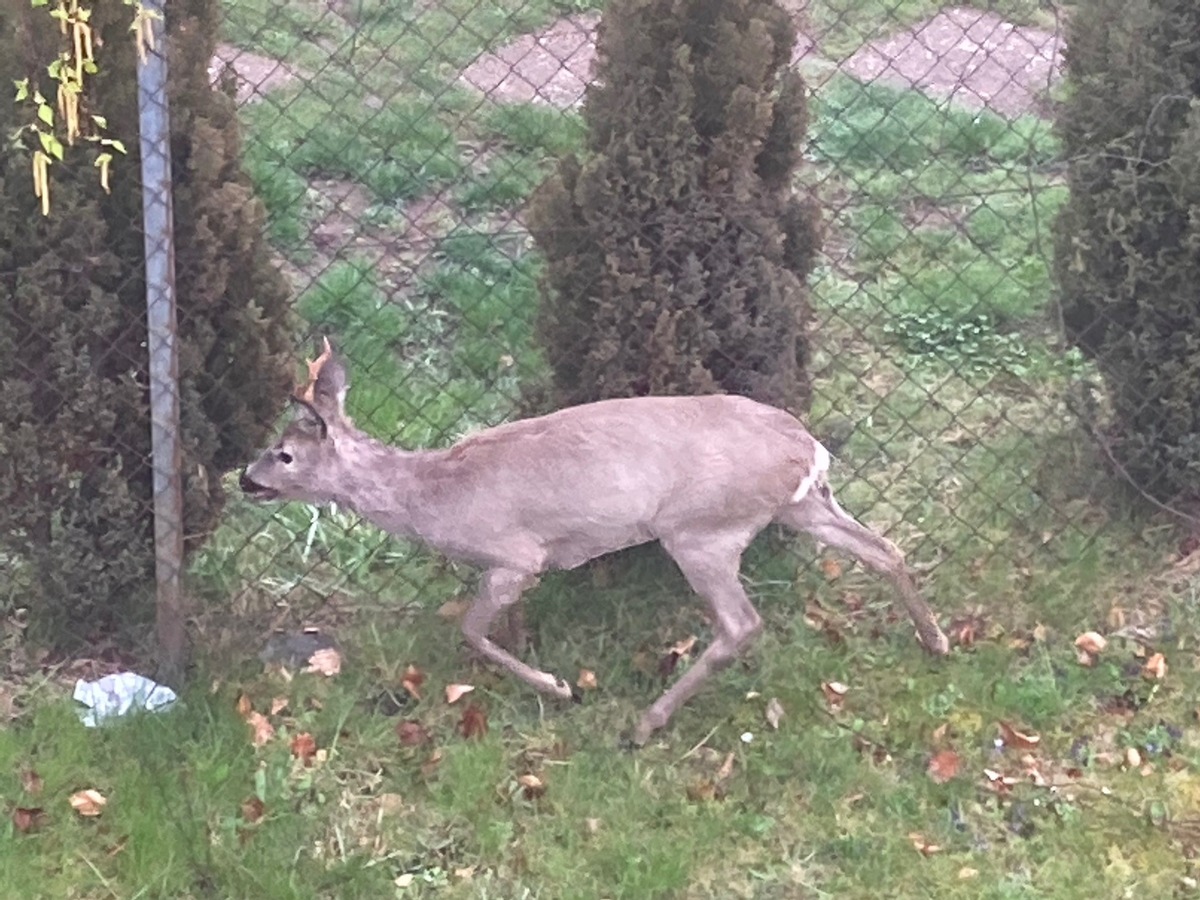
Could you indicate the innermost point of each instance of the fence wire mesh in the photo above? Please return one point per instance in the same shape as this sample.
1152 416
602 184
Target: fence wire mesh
395 146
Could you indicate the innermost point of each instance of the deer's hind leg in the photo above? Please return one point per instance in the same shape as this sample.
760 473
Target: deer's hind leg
819 514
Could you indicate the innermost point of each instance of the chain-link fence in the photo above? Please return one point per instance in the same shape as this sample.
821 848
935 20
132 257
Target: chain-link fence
395 147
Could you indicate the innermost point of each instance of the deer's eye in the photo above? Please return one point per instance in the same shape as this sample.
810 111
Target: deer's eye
285 457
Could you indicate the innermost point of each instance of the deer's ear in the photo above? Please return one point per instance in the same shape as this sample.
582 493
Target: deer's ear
329 387
306 416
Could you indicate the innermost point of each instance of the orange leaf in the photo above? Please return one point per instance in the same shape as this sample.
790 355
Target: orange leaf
532 786
943 766
244 706
684 647
263 730
304 748
27 819
835 693
587 680
413 679
473 723
88 802
1016 739
278 705
455 692
832 568
453 610
327 662
1091 642
921 845
411 733
1155 667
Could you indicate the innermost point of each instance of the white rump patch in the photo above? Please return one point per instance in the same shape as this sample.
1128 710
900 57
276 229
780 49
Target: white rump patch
820 467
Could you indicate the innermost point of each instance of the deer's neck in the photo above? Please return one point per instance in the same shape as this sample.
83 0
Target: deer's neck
382 482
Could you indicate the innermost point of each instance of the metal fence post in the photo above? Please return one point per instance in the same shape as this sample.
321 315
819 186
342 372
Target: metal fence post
157 224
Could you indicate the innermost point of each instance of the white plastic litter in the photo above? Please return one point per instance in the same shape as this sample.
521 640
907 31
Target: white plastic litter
118 695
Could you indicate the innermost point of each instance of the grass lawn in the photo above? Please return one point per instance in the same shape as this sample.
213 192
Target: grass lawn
1013 768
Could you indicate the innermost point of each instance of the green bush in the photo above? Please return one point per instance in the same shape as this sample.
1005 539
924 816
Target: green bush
75 476
1127 252
676 252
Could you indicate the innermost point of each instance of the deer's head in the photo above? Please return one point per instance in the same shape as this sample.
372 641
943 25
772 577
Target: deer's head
304 463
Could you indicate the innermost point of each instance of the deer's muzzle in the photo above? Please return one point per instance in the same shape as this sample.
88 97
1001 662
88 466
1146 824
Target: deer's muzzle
254 490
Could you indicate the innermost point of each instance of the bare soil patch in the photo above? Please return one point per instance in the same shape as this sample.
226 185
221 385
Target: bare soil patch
973 58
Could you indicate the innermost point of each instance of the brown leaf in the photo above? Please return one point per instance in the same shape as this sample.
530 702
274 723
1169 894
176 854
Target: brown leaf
726 769
774 712
413 679
832 568
966 873
455 692
31 782
1016 739
304 748
262 729
88 802
939 733
835 694
1133 758
701 790
684 647
473 723
963 631
587 680
1155 667
411 733
327 662
944 766
921 845
532 786
244 706
27 819
252 810
1091 642
278 705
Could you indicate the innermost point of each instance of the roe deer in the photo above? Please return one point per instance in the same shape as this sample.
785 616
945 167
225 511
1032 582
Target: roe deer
701 475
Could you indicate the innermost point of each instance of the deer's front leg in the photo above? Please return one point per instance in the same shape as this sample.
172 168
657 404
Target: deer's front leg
499 589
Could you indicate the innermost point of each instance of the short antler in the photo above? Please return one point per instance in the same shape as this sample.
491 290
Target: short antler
305 391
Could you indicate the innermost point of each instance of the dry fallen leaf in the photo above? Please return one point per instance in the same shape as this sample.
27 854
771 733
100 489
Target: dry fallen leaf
1016 739
943 766
413 679
1155 667
27 819
835 693
278 705
532 786
587 680
1091 642
411 733
832 568
684 647
963 631
31 782
263 730
726 769
88 802
966 872
304 748
455 692
473 723
591 825
327 662
244 706
252 810
1133 758
921 845
774 712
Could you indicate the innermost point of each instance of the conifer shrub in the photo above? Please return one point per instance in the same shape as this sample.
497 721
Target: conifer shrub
676 248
